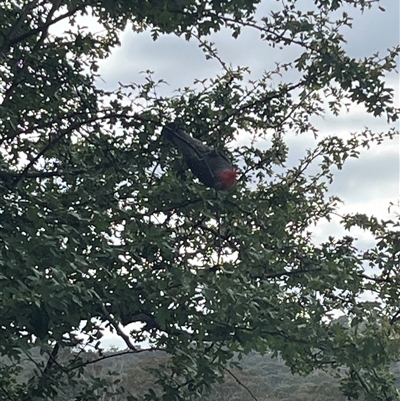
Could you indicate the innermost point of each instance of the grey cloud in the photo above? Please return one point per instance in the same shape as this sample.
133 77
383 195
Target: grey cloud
374 30
375 175
171 58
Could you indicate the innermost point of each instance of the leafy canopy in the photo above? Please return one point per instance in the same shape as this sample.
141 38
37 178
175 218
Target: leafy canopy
102 224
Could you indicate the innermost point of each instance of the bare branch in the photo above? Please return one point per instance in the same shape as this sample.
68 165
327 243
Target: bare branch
56 5
290 273
395 317
52 359
119 330
113 355
241 384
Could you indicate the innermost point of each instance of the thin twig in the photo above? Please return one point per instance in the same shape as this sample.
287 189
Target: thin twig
268 97
212 51
241 384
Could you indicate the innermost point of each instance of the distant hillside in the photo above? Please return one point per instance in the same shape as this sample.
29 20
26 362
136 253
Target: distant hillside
257 377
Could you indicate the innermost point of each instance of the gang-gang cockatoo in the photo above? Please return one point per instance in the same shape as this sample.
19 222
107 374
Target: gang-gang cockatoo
211 166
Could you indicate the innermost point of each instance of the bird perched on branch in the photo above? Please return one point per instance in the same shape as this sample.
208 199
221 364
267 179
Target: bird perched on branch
211 166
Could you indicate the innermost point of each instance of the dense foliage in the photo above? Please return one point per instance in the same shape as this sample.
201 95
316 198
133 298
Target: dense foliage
101 223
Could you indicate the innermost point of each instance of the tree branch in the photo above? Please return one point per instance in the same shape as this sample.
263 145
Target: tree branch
395 317
118 330
114 355
49 146
52 359
54 8
16 27
241 384
5 175
290 273
25 173
46 25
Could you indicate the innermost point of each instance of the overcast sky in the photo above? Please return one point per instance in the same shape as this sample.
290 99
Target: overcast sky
368 184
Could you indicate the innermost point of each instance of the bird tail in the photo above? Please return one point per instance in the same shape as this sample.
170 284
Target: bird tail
174 133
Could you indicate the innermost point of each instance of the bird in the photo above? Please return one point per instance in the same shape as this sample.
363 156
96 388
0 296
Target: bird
211 166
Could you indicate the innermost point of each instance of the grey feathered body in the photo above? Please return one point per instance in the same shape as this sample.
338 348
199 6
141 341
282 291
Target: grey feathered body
205 162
